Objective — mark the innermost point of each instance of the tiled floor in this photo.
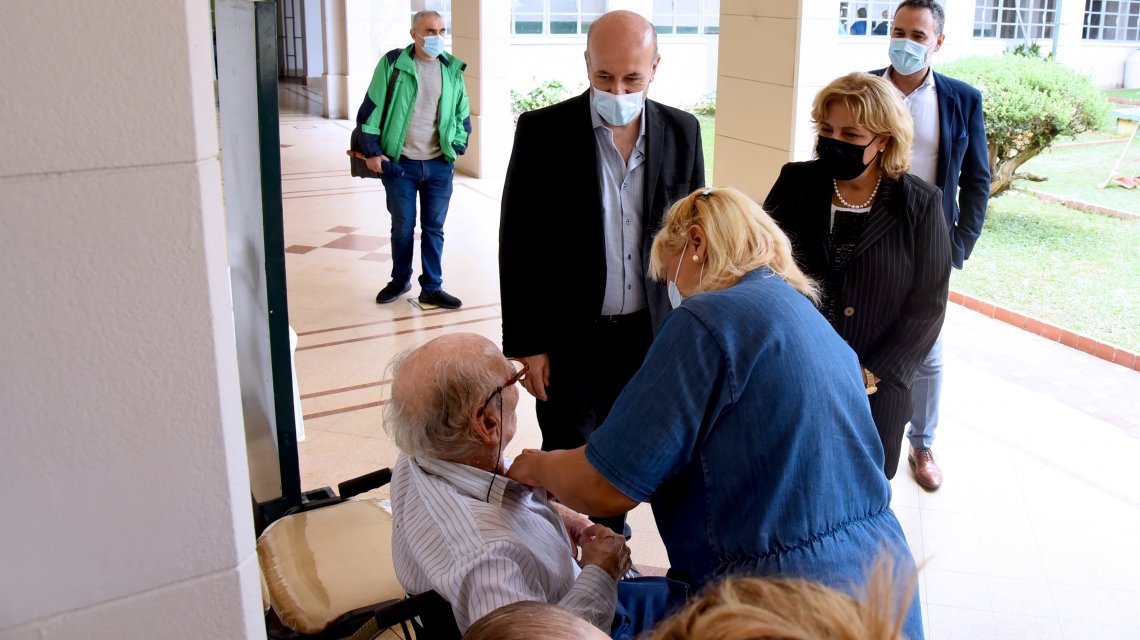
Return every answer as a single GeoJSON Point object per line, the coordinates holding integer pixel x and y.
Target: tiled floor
{"type": "Point", "coordinates": [1036, 533]}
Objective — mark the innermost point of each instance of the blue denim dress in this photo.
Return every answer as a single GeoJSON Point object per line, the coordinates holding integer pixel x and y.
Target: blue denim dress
{"type": "Point", "coordinates": [749, 432]}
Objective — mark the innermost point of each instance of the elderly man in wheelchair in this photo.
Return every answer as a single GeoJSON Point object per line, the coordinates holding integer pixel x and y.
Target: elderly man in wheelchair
{"type": "Point", "coordinates": [462, 539]}
{"type": "Point", "coordinates": [475, 537]}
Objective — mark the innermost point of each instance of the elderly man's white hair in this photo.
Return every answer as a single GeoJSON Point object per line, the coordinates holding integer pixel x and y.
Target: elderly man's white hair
{"type": "Point", "coordinates": [435, 389]}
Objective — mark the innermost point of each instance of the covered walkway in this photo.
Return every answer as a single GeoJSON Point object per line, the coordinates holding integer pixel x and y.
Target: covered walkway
{"type": "Point", "coordinates": [1033, 535]}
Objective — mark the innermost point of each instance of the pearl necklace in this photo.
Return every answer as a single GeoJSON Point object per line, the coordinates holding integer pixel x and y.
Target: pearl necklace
{"type": "Point", "coordinates": [843, 201]}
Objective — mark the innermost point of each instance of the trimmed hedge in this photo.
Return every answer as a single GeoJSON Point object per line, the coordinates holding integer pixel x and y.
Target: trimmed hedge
{"type": "Point", "coordinates": [1028, 102]}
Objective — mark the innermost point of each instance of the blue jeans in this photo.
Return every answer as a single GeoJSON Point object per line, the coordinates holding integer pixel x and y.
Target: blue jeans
{"type": "Point", "coordinates": [925, 394]}
{"type": "Point", "coordinates": [643, 602]}
{"type": "Point", "coordinates": [431, 180]}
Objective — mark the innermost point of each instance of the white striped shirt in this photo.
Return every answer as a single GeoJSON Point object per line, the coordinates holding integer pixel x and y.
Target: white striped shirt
{"type": "Point", "coordinates": [483, 555]}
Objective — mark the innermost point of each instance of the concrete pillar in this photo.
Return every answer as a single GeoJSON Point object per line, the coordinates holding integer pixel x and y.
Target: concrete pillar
{"type": "Point", "coordinates": [127, 507]}
{"type": "Point", "coordinates": [774, 57]}
{"type": "Point", "coordinates": [357, 33]}
{"type": "Point", "coordinates": [480, 36]}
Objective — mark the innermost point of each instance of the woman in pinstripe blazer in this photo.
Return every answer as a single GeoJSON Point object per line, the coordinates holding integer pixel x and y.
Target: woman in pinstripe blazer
{"type": "Point", "coordinates": [873, 236]}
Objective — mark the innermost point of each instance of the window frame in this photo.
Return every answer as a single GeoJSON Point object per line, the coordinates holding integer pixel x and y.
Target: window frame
{"type": "Point", "coordinates": [874, 7]}
{"type": "Point", "coordinates": [546, 13]}
{"type": "Point", "coordinates": [1126, 10]}
{"type": "Point", "coordinates": [1042, 20]}
{"type": "Point", "coordinates": [703, 21]}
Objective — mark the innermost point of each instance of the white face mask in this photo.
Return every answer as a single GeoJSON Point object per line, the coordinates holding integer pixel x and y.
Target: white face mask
{"type": "Point", "coordinates": [675, 297]}
{"type": "Point", "coordinates": [618, 110]}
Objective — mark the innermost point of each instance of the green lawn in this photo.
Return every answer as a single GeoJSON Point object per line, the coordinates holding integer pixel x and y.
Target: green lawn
{"type": "Point", "coordinates": [1076, 270]}
{"type": "Point", "coordinates": [1124, 93]}
{"type": "Point", "coordinates": [1077, 171]}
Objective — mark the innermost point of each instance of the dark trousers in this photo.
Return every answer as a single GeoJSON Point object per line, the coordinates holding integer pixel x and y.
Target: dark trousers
{"type": "Point", "coordinates": [891, 408]}
{"type": "Point", "coordinates": [587, 373]}
{"type": "Point", "coordinates": [431, 181]}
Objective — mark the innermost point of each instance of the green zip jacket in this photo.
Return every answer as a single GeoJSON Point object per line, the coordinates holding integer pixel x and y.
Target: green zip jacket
{"type": "Point", "coordinates": [384, 133]}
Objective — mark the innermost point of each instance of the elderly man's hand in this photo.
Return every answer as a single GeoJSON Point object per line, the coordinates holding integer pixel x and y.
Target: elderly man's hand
{"type": "Point", "coordinates": [605, 549]}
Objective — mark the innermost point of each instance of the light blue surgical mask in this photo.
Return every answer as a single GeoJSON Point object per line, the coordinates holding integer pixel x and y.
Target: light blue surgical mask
{"type": "Point", "coordinates": [907, 56]}
{"type": "Point", "coordinates": [675, 297]}
{"type": "Point", "coordinates": [618, 110]}
{"type": "Point", "coordinates": [433, 45]}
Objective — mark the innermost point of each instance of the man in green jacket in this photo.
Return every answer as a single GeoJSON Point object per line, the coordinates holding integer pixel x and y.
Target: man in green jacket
{"type": "Point", "coordinates": [414, 121]}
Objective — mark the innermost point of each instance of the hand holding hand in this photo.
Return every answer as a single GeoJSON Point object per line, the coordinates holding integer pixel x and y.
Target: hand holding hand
{"type": "Point", "coordinates": [606, 550]}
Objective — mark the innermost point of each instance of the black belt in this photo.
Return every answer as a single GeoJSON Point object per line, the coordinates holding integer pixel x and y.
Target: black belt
{"type": "Point", "coordinates": [636, 316]}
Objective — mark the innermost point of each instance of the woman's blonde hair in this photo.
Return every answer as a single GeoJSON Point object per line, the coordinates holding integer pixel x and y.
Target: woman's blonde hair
{"type": "Point", "coordinates": [875, 104]}
{"type": "Point", "coordinates": [746, 608]}
{"type": "Point", "coordinates": [741, 237]}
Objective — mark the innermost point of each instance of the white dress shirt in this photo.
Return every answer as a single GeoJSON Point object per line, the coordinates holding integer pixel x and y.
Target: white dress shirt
{"type": "Point", "coordinates": [623, 198]}
{"type": "Point", "coordinates": [480, 555]}
{"type": "Point", "coordinates": [923, 106]}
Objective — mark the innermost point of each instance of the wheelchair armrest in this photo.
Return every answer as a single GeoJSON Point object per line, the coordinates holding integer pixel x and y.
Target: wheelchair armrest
{"type": "Point", "coordinates": [366, 482]}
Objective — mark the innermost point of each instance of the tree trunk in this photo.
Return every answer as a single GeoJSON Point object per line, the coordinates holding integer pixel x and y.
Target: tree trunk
{"type": "Point", "coordinates": [1002, 175]}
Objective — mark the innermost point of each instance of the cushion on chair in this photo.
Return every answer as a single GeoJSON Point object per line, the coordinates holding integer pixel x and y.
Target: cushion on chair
{"type": "Point", "coordinates": [265, 604]}
{"type": "Point", "coordinates": [323, 563]}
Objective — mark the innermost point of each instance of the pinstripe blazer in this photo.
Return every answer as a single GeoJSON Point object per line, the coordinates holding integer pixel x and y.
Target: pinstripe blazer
{"type": "Point", "coordinates": [895, 287]}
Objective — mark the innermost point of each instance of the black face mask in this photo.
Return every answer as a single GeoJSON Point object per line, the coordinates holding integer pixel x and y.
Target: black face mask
{"type": "Point", "coordinates": [843, 160]}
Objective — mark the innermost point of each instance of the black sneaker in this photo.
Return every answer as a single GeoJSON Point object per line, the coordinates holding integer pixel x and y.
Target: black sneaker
{"type": "Point", "coordinates": [440, 298]}
{"type": "Point", "coordinates": [391, 291]}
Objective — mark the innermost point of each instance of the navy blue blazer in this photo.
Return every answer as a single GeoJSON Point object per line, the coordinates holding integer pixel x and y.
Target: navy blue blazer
{"type": "Point", "coordinates": [963, 163]}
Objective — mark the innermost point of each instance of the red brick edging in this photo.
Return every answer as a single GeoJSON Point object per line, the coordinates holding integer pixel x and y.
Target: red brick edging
{"type": "Point", "coordinates": [1091, 346]}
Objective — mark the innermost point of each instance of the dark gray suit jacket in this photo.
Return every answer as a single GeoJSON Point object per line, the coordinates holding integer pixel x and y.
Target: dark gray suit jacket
{"type": "Point", "coordinates": [552, 267]}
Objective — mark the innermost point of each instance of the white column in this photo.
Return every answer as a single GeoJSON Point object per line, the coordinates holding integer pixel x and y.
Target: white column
{"type": "Point", "coordinates": [480, 36]}
{"type": "Point", "coordinates": [357, 33]}
{"type": "Point", "coordinates": [756, 92]}
{"type": "Point", "coordinates": [127, 508]}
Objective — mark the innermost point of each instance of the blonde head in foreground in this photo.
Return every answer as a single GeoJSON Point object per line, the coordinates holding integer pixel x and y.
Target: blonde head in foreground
{"type": "Point", "coordinates": [527, 620]}
{"type": "Point", "coordinates": [746, 608]}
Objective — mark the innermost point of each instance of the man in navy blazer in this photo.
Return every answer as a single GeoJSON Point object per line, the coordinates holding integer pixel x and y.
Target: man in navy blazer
{"type": "Point", "coordinates": [950, 152]}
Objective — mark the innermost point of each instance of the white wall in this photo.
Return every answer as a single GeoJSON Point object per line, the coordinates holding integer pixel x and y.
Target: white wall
{"type": "Point", "coordinates": [127, 509]}
{"type": "Point", "coordinates": [687, 72]}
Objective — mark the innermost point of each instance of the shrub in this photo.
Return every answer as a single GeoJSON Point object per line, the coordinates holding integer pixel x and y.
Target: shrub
{"type": "Point", "coordinates": [543, 94]}
{"type": "Point", "coordinates": [1027, 102]}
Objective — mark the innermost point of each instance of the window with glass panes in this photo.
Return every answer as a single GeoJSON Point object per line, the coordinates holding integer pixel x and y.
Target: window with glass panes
{"type": "Point", "coordinates": [554, 17]}
{"type": "Point", "coordinates": [442, 7]}
{"type": "Point", "coordinates": [686, 17]}
{"type": "Point", "coordinates": [867, 18]}
{"type": "Point", "coordinates": [1014, 19]}
{"type": "Point", "coordinates": [1112, 20]}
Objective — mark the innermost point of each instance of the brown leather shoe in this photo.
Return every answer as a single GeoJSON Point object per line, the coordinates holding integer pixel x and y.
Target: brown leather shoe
{"type": "Point", "coordinates": [926, 471]}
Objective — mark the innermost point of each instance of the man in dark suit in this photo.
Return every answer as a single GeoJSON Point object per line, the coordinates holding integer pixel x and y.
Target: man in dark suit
{"type": "Point", "coordinates": [588, 183]}
{"type": "Point", "coordinates": [949, 151]}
